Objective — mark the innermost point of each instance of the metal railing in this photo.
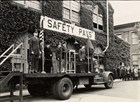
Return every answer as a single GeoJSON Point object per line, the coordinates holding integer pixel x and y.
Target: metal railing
{"type": "Point", "coordinates": [2, 55]}
{"type": "Point", "coordinates": [9, 54]}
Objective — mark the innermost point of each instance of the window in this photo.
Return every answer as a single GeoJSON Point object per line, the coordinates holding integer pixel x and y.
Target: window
{"type": "Point", "coordinates": [97, 18]}
{"type": "Point", "coordinates": [66, 13]}
{"type": "Point", "coordinates": [134, 38]}
{"type": "Point", "coordinates": [71, 11]}
{"type": "Point", "coordinates": [126, 37]}
{"type": "Point", "coordinates": [135, 59]}
{"type": "Point", "coordinates": [35, 4]}
{"type": "Point", "coordinates": [75, 16]}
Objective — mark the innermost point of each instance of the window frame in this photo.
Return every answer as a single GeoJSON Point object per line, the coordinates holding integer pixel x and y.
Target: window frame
{"type": "Point", "coordinates": [97, 15]}
{"type": "Point", "coordinates": [134, 38]}
{"type": "Point", "coordinates": [71, 12]}
{"type": "Point", "coordinates": [65, 13]}
{"type": "Point", "coordinates": [135, 61]}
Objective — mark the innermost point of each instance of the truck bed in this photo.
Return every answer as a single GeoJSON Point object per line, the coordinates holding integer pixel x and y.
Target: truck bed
{"type": "Point", "coordinates": [51, 75]}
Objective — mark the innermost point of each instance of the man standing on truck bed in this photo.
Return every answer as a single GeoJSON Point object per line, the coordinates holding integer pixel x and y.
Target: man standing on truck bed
{"type": "Point", "coordinates": [82, 57]}
{"type": "Point", "coordinates": [48, 58]}
{"type": "Point", "coordinates": [34, 51]}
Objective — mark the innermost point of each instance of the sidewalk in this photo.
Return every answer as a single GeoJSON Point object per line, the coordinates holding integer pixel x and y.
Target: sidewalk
{"type": "Point", "coordinates": [118, 80]}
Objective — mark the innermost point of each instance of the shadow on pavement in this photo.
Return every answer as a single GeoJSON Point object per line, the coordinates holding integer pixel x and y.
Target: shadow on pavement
{"type": "Point", "coordinates": [87, 90]}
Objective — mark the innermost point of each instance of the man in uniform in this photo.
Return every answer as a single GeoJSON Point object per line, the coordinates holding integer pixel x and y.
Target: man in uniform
{"type": "Point", "coordinates": [34, 51]}
{"type": "Point", "coordinates": [48, 58]}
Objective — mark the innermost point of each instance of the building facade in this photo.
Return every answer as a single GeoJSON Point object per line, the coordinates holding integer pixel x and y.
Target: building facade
{"type": "Point", "coordinates": [129, 33]}
{"type": "Point", "coordinates": [20, 18]}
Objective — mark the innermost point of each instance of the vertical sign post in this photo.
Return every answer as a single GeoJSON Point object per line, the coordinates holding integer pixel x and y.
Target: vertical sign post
{"type": "Point", "coordinates": [42, 43]}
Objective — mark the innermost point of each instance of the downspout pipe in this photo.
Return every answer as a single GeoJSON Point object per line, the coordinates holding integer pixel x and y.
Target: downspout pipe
{"type": "Point", "coordinates": [107, 12]}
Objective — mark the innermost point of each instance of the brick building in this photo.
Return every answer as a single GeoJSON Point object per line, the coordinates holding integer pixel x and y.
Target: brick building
{"type": "Point", "coordinates": [20, 18]}
{"type": "Point", "coordinates": [129, 33]}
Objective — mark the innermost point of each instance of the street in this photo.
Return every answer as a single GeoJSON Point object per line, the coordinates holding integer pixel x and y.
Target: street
{"type": "Point", "coordinates": [123, 91]}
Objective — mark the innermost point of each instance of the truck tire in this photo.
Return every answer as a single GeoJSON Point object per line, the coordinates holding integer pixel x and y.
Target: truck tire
{"type": "Point", "coordinates": [37, 89]}
{"type": "Point", "coordinates": [109, 83]}
{"type": "Point", "coordinates": [63, 89]}
{"type": "Point", "coordinates": [87, 86]}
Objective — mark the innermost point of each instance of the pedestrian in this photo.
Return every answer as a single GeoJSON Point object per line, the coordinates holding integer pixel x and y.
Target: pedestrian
{"type": "Point", "coordinates": [139, 74]}
{"type": "Point", "coordinates": [135, 73]}
{"type": "Point", "coordinates": [48, 58]}
{"type": "Point", "coordinates": [128, 73]}
{"type": "Point", "coordinates": [132, 73]}
{"type": "Point", "coordinates": [115, 73]}
{"type": "Point", "coordinates": [123, 73]}
{"type": "Point", "coordinates": [118, 72]}
{"type": "Point", "coordinates": [34, 51]}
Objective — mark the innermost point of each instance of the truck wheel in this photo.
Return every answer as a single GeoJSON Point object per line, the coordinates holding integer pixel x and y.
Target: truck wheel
{"type": "Point", "coordinates": [37, 89]}
{"type": "Point", "coordinates": [63, 89]}
{"type": "Point", "coordinates": [87, 86]}
{"type": "Point", "coordinates": [109, 83]}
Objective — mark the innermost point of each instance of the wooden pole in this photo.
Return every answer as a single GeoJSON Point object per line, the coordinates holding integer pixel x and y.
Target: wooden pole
{"type": "Point", "coordinates": [11, 90]}
{"type": "Point", "coordinates": [21, 88]}
{"type": "Point", "coordinates": [88, 58]}
{"type": "Point", "coordinates": [60, 60]}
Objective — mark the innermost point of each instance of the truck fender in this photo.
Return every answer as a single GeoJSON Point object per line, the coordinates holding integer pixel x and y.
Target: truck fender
{"type": "Point", "coordinates": [105, 75]}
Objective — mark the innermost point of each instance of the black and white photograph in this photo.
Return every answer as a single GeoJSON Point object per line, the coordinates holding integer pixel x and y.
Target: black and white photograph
{"type": "Point", "coordinates": [69, 50]}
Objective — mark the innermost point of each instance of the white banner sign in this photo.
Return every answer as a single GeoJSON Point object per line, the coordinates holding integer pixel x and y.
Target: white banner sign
{"type": "Point", "coordinates": [62, 27]}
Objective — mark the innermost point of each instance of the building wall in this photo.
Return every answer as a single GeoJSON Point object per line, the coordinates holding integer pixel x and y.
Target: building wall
{"type": "Point", "coordinates": [132, 38]}
{"type": "Point", "coordinates": [24, 19]}
{"type": "Point", "coordinates": [15, 21]}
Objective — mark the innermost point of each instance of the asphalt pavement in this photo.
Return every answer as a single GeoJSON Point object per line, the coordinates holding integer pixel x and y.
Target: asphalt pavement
{"type": "Point", "coordinates": [123, 91]}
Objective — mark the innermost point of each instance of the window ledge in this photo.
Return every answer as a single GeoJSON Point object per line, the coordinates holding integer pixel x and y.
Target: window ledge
{"type": "Point", "coordinates": [68, 21]}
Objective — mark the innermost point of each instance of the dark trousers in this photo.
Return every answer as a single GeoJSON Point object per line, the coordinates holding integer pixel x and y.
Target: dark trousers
{"type": "Point", "coordinates": [83, 66]}
{"type": "Point", "coordinates": [34, 62]}
{"type": "Point", "coordinates": [48, 65]}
